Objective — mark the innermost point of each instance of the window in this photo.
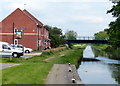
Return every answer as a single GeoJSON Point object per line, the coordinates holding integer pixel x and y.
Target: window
{"type": "Point", "coordinates": [5, 46]}
{"type": "Point", "coordinates": [19, 46]}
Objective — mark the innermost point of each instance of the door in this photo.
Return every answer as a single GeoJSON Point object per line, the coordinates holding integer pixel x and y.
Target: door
{"type": "Point", "coordinates": [15, 41]}
{"type": "Point", "coordinates": [6, 50]}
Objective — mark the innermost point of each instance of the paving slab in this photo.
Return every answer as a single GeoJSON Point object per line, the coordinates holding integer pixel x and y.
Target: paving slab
{"type": "Point", "coordinates": [7, 65]}
{"type": "Point", "coordinates": [60, 74]}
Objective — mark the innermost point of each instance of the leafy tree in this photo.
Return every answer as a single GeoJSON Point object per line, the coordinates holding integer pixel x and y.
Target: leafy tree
{"type": "Point", "coordinates": [115, 10]}
{"type": "Point", "coordinates": [71, 35]}
{"type": "Point", "coordinates": [114, 27]}
{"type": "Point", "coordinates": [102, 35]}
{"type": "Point", "coordinates": [55, 35]}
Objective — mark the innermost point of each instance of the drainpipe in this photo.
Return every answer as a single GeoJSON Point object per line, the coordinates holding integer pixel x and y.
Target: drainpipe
{"type": "Point", "coordinates": [38, 37]}
{"type": "Point", "coordinates": [13, 32]}
{"type": "Point", "coordinates": [38, 28]}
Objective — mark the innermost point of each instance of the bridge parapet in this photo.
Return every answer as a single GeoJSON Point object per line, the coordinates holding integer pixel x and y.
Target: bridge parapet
{"type": "Point", "coordinates": [90, 38]}
{"type": "Point", "coordinates": [86, 38]}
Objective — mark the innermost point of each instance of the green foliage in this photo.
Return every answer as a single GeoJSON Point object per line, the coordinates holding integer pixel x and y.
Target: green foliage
{"type": "Point", "coordinates": [101, 47]}
{"type": "Point", "coordinates": [106, 50]}
{"type": "Point", "coordinates": [115, 10]}
{"type": "Point", "coordinates": [71, 35]}
{"type": "Point", "coordinates": [102, 35]}
{"type": "Point", "coordinates": [56, 36]}
{"type": "Point", "coordinates": [114, 33]}
{"type": "Point", "coordinates": [114, 27]}
{"type": "Point", "coordinates": [48, 53]}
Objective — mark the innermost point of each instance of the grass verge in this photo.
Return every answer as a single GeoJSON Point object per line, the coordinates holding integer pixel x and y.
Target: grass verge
{"type": "Point", "coordinates": [34, 70]}
{"type": "Point", "coordinates": [106, 50]}
{"type": "Point", "coordinates": [26, 73]}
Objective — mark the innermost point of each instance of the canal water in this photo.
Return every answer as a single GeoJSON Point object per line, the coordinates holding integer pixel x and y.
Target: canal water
{"type": "Point", "coordinates": [105, 71]}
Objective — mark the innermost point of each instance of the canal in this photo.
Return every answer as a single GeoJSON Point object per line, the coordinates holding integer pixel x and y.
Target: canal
{"type": "Point", "coordinates": [104, 71]}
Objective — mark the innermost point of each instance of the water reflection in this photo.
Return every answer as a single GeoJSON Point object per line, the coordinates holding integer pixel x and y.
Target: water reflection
{"type": "Point", "coordinates": [95, 73]}
{"type": "Point", "coordinates": [115, 71]}
{"type": "Point", "coordinates": [107, 60]}
{"type": "Point", "coordinates": [88, 53]}
{"type": "Point", "coordinates": [106, 71]}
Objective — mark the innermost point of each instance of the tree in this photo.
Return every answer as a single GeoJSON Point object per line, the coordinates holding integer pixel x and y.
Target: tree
{"type": "Point", "coordinates": [115, 10]}
{"type": "Point", "coordinates": [55, 35]}
{"type": "Point", "coordinates": [102, 35]}
{"type": "Point", "coordinates": [71, 35]}
{"type": "Point", "coordinates": [114, 27]}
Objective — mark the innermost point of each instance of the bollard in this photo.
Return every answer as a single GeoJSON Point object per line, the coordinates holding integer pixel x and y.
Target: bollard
{"type": "Point", "coordinates": [69, 64]}
{"type": "Point", "coordinates": [73, 80]}
{"type": "Point", "coordinates": [69, 69]}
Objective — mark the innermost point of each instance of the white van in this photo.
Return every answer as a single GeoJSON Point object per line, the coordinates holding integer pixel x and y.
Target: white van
{"type": "Point", "coordinates": [7, 50]}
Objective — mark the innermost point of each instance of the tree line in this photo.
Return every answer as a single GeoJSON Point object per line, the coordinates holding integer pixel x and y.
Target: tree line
{"type": "Point", "coordinates": [58, 38]}
{"type": "Point", "coordinates": [113, 32]}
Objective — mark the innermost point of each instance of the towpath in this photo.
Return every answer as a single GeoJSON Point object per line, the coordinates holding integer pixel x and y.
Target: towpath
{"type": "Point", "coordinates": [60, 74]}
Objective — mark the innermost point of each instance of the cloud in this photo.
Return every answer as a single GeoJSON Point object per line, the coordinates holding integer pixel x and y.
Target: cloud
{"type": "Point", "coordinates": [81, 7]}
{"type": "Point", "coordinates": [83, 16]}
{"type": "Point", "coordinates": [78, 0]}
{"type": "Point", "coordinates": [59, 0]}
{"type": "Point", "coordinates": [93, 19]}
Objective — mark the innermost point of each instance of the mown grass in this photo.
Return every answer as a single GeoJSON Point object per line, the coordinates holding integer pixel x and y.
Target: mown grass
{"type": "Point", "coordinates": [35, 70]}
{"type": "Point", "coordinates": [26, 73]}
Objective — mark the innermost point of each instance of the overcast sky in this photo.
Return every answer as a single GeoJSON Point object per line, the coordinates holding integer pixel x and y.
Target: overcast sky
{"type": "Point", "coordinates": [86, 17]}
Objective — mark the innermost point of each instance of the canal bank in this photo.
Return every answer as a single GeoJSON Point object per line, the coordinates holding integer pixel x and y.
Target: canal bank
{"type": "Point", "coordinates": [36, 68]}
{"type": "Point", "coordinates": [99, 72]}
{"type": "Point", "coordinates": [106, 50]}
{"type": "Point", "coordinates": [63, 74]}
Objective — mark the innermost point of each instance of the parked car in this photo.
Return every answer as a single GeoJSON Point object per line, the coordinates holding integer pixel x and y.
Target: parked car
{"type": "Point", "coordinates": [20, 47]}
{"type": "Point", "coordinates": [7, 50]}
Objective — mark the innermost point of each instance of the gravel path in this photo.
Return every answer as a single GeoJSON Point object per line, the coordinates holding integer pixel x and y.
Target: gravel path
{"type": "Point", "coordinates": [6, 65]}
{"type": "Point", "coordinates": [48, 59]}
{"type": "Point", "coordinates": [59, 74]}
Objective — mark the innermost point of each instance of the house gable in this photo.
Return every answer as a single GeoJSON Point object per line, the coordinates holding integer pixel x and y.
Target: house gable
{"type": "Point", "coordinates": [32, 17]}
{"type": "Point", "coordinates": [20, 20]}
{"type": "Point", "coordinates": [23, 19]}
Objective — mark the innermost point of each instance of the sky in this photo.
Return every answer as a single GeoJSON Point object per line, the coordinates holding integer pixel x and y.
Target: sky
{"type": "Point", "coordinates": [85, 17]}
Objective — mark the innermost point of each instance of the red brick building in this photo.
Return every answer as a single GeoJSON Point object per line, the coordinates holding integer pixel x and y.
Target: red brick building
{"type": "Point", "coordinates": [20, 27]}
